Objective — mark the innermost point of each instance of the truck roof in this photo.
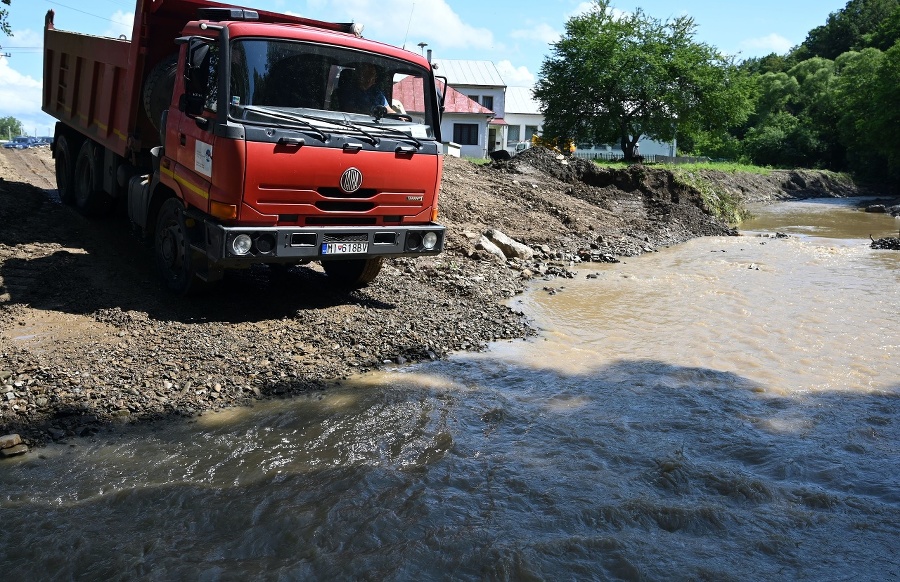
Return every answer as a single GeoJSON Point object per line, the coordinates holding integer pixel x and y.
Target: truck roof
{"type": "Point", "coordinates": [325, 36]}
{"type": "Point", "coordinates": [318, 30]}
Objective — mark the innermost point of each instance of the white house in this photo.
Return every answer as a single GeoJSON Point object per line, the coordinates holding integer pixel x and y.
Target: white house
{"type": "Point", "coordinates": [481, 83]}
{"type": "Point", "coordinates": [523, 118]}
{"type": "Point", "coordinates": [465, 123]}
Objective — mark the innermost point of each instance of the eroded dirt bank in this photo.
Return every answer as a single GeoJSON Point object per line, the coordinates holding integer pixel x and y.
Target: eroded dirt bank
{"type": "Point", "coordinates": [88, 339]}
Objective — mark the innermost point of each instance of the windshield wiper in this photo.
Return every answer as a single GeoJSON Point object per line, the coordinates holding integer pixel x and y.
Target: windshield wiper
{"type": "Point", "coordinates": [344, 123]}
{"type": "Point", "coordinates": [296, 118]}
{"type": "Point", "coordinates": [395, 132]}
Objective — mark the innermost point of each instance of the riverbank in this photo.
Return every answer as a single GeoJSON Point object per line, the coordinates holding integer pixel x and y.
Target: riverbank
{"type": "Point", "coordinates": [88, 340]}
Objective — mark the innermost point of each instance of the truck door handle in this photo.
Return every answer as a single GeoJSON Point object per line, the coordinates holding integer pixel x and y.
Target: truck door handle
{"type": "Point", "coordinates": [182, 139]}
{"type": "Point", "coordinates": [292, 141]}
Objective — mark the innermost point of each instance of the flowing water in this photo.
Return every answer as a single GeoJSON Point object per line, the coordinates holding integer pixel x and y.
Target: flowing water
{"type": "Point", "coordinates": [728, 409]}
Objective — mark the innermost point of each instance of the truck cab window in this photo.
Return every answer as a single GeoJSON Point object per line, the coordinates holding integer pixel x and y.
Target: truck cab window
{"type": "Point", "coordinates": [323, 83]}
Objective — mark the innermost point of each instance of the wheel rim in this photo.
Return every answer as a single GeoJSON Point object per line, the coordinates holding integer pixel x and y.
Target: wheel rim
{"type": "Point", "coordinates": [83, 184]}
{"type": "Point", "coordinates": [171, 248]}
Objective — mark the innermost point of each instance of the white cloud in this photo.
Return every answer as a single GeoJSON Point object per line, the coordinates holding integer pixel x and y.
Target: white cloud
{"type": "Point", "coordinates": [18, 92]}
{"type": "Point", "coordinates": [26, 38]}
{"type": "Point", "coordinates": [773, 43]}
{"type": "Point", "coordinates": [122, 24]}
{"type": "Point", "coordinates": [542, 33]}
{"type": "Point", "coordinates": [433, 22]}
{"type": "Point", "coordinates": [20, 97]}
{"type": "Point", "coordinates": [515, 76]}
{"type": "Point", "coordinates": [582, 8]}
{"type": "Point", "coordinates": [585, 7]}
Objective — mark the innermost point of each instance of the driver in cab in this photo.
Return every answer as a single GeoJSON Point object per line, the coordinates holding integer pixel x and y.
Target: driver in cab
{"type": "Point", "coordinates": [361, 93]}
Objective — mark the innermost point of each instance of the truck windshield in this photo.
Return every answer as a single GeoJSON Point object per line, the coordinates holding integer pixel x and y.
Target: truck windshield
{"type": "Point", "coordinates": [327, 82]}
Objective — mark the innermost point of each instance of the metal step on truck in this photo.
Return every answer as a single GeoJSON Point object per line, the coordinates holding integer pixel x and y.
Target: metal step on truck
{"type": "Point", "coordinates": [236, 136]}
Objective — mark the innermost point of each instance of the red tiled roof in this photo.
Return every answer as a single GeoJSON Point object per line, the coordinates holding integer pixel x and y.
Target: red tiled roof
{"type": "Point", "coordinates": [408, 93]}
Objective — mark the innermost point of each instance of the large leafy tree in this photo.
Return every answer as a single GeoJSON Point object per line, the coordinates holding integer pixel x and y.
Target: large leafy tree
{"type": "Point", "coordinates": [10, 127]}
{"type": "Point", "coordinates": [619, 77]}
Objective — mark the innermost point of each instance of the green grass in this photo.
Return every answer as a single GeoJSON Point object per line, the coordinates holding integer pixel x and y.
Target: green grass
{"type": "Point", "coordinates": [720, 202]}
{"type": "Point", "coordinates": [478, 161]}
{"type": "Point", "coordinates": [731, 167]}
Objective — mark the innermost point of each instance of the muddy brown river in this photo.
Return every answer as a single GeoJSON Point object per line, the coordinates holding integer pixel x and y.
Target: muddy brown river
{"type": "Point", "coordinates": [728, 409]}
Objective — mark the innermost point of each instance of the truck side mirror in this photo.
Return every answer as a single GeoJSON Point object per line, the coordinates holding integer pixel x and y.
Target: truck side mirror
{"type": "Point", "coordinates": [441, 90]}
{"type": "Point", "coordinates": [196, 77]}
{"type": "Point", "coordinates": [196, 73]}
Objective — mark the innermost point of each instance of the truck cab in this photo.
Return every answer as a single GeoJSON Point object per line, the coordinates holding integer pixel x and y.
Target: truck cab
{"type": "Point", "coordinates": [273, 139]}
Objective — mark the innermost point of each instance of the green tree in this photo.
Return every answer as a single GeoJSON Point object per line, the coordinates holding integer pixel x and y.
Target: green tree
{"type": "Point", "coordinates": [771, 63]}
{"type": "Point", "coordinates": [847, 29]}
{"type": "Point", "coordinates": [887, 34]}
{"type": "Point", "coordinates": [4, 22]}
{"type": "Point", "coordinates": [618, 78]}
{"type": "Point", "coordinates": [886, 120]}
{"type": "Point", "coordinates": [869, 89]}
{"type": "Point", "coordinates": [10, 127]}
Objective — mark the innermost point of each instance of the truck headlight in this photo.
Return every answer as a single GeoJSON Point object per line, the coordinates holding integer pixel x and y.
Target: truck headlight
{"type": "Point", "coordinates": [241, 244]}
{"type": "Point", "coordinates": [429, 240]}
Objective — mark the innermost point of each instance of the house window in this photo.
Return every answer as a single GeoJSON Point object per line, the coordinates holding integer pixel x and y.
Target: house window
{"type": "Point", "coordinates": [465, 133]}
{"type": "Point", "coordinates": [530, 131]}
{"type": "Point", "coordinates": [513, 133]}
{"type": "Point", "coordinates": [488, 101]}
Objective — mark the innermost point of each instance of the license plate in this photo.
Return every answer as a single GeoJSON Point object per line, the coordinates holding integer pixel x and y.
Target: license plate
{"type": "Point", "coordinates": [344, 248]}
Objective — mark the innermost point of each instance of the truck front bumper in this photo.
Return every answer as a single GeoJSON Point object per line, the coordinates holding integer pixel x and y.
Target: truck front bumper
{"type": "Point", "coordinates": [236, 246]}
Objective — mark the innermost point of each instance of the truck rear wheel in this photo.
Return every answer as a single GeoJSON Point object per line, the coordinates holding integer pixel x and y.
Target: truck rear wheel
{"type": "Point", "coordinates": [175, 260]}
{"type": "Point", "coordinates": [355, 272]}
{"type": "Point", "coordinates": [65, 170]}
{"type": "Point", "coordinates": [88, 194]}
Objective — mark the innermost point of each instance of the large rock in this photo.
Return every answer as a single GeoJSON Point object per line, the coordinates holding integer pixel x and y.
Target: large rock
{"type": "Point", "coordinates": [511, 248]}
{"type": "Point", "coordinates": [10, 440]}
{"type": "Point", "coordinates": [485, 244]}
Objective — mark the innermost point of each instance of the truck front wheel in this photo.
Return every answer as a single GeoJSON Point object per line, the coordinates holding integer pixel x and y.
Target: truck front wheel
{"type": "Point", "coordinates": [354, 272]}
{"type": "Point", "coordinates": [175, 260]}
{"type": "Point", "coordinates": [89, 197]}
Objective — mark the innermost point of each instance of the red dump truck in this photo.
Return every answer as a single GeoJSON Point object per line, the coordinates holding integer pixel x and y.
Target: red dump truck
{"type": "Point", "coordinates": [235, 137]}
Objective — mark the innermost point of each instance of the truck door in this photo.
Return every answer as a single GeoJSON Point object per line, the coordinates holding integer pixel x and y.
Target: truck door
{"type": "Point", "coordinates": [194, 122]}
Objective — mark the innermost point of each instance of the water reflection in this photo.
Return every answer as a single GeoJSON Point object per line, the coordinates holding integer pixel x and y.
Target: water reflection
{"type": "Point", "coordinates": [727, 409]}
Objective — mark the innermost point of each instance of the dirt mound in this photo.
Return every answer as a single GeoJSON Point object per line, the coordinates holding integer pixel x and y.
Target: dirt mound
{"type": "Point", "coordinates": [574, 206]}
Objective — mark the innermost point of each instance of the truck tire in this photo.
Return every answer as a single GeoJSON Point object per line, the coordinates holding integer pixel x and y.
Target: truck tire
{"type": "Point", "coordinates": [354, 272]}
{"type": "Point", "coordinates": [158, 89]}
{"type": "Point", "coordinates": [175, 261]}
{"type": "Point", "coordinates": [65, 169]}
{"type": "Point", "coordinates": [88, 194]}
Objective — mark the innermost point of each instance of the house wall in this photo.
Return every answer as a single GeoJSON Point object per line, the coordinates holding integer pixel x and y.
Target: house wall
{"type": "Point", "coordinates": [467, 151]}
{"type": "Point", "coordinates": [520, 120]}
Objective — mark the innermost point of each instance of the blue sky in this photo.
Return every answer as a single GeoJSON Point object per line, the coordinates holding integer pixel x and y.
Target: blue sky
{"type": "Point", "coordinates": [514, 34]}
